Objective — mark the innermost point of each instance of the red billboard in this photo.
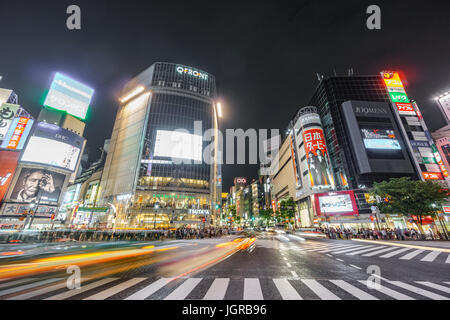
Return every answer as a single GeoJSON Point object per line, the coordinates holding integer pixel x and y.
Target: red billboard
{"type": "Point", "coordinates": [340, 203]}
{"type": "Point", "coordinates": [405, 108]}
{"type": "Point", "coordinates": [317, 157]}
{"type": "Point", "coordinates": [8, 164]}
{"type": "Point", "coordinates": [432, 176]}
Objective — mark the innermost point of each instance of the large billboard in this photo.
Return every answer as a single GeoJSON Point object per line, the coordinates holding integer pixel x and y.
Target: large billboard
{"type": "Point", "coordinates": [17, 134]}
{"type": "Point", "coordinates": [8, 164]}
{"type": "Point", "coordinates": [38, 185]}
{"type": "Point", "coordinates": [53, 146]}
{"type": "Point", "coordinates": [7, 113]}
{"type": "Point", "coordinates": [68, 95]}
{"type": "Point", "coordinates": [178, 145]}
{"type": "Point", "coordinates": [380, 139]}
{"type": "Point", "coordinates": [340, 203]}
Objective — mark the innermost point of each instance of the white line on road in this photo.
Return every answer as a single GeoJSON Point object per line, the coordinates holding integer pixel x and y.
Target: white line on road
{"type": "Point", "coordinates": [288, 264]}
{"type": "Point", "coordinates": [411, 255]}
{"type": "Point", "coordinates": [150, 289]}
{"type": "Point", "coordinates": [422, 292]}
{"type": "Point", "coordinates": [114, 290]}
{"type": "Point", "coordinates": [339, 260]}
{"type": "Point", "coordinates": [252, 289]}
{"type": "Point", "coordinates": [284, 258]}
{"type": "Point", "coordinates": [434, 286]}
{"type": "Point", "coordinates": [322, 292]}
{"type": "Point", "coordinates": [393, 253]}
{"type": "Point", "coordinates": [431, 256]}
{"type": "Point", "coordinates": [183, 291]}
{"type": "Point", "coordinates": [351, 249]}
{"type": "Point", "coordinates": [74, 292]}
{"type": "Point", "coordinates": [329, 255]}
{"type": "Point", "coordinates": [364, 251]}
{"type": "Point", "coordinates": [286, 290]}
{"type": "Point", "coordinates": [356, 267]}
{"type": "Point", "coordinates": [28, 286]}
{"type": "Point", "coordinates": [358, 293]}
{"type": "Point", "coordinates": [389, 292]}
{"type": "Point", "coordinates": [38, 292]}
{"type": "Point", "coordinates": [13, 283]}
{"type": "Point", "coordinates": [294, 274]}
{"type": "Point", "coordinates": [218, 289]}
{"type": "Point", "coordinates": [378, 251]}
{"type": "Point", "coordinates": [448, 259]}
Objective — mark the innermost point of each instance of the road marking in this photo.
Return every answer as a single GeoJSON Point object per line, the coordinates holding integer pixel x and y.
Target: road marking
{"type": "Point", "coordinates": [434, 286]}
{"type": "Point", "coordinates": [286, 290]}
{"type": "Point", "coordinates": [322, 292]}
{"type": "Point", "coordinates": [358, 293]}
{"type": "Point", "coordinates": [183, 291]}
{"type": "Point", "coordinates": [337, 247]}
{"type": "Point", "coordinates": [364, 250]}
{"type": "Point", "coordinates": [114, 290]}
{"type": "Point", "coordinates": [389, 292]}
{"type": "Point", "coordinates": [431, 256]}
{"type": "Point", "coordinates": [339, 260]}
{"type": "Point", "coordinates": [13, 283]}
{"type": "Point", "coordinates": [356, 267]}
{"type": "Point", "coordinates": [285, 258]}
{"type": "Point", "coordinates": [252, 289]}
{"type": "Point", "coordinates": [329, 255]}
{"type": "Point", "coordinates": [28, 286]}
{"type": "Point", "coordinates": [378, 251]}
{"type": "Point", "coordinates": [150, 289]}
{"type": "Point", "coordinates": [288, 264]}
{"type": "Point", "coordinates": [74, 292]}
{"type": "Point", "coordinates": [348, 250]}
{"type": "Point", "coordinates": [422, 292]}
{"type": "Point", "coordinates": [411, 255]}
{"type": "Point", "coordinates": [393, 253]}
{"type": "Point", "coordinates": [448, 259]}
{"type": "Point", "coordinates": [294, 274]}
{"type": "Point", "coordinates": [217, 290]}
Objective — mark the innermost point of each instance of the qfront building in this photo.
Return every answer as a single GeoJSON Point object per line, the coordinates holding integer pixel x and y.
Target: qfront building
{"type": "Point", "coordinates": [162, 170]}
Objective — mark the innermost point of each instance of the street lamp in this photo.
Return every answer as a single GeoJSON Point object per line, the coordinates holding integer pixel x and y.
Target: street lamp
{"type": "Point", "coordinates": [219, 109]}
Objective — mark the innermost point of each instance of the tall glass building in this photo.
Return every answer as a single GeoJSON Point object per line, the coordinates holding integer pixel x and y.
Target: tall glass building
{"type": "Point", "coordinates": [156, 175]}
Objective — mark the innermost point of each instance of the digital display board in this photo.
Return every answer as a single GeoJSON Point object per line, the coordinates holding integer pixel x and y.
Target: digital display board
{"type": "Point", "coordinates": [53, 146]}
{"type": "Point", "coordinates": [68, 95]}
{"type": "Point", "coordinates": [178, 145]}
{"type": "Point", "coordinates": [380, 139]}
{"type": "Point", "coordinates": [8, 164]}
{"type": "Point", "coordinates": [406, 109]}
{"type": "Point", "coordinates": [336, 203]}
{"type": "Point", "coordinates": [7, 114]}
{"type": "Point", "coordinates": [432, 176]}
{"type": "Point", "coordinates": [17, 134]}
{"type": "Point", "coordinates": [399, 97]}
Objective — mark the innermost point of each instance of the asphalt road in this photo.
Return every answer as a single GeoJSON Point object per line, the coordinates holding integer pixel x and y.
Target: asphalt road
{"type": "Point", "coordinates": [270, 267]}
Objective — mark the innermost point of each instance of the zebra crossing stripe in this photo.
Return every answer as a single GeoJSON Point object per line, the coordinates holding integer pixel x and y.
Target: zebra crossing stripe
{"type": "Point", "coordinates": [13, 283]}
{"type": "Point", "coordinates": [252, 289]}
{"type": "Point", "coordinates": [448, 259]}
{"type": "Point", "coordinates": [434, 286]}
{"type": "Point", "coordinates": [420, 291]}
{"type": "Point", "coordinates": [393, 253]}
{"type": "Point", "coordinates": [38, 292]}
{"type": "Point", "coordinates": [114, 290]}
{"type": "Point", "coordinates": [74, 292]}
{"type": "Point", "coordinates": [183, 290]}
{"type": "Point", "coordinates": [358, 293]}
{"type": "Point", "coordinates": [364, 250]}
{"type": "Point", "coordinates": [358, 247]}
{"type": "Point", "coordinates": [328, 247]}
{"type": "Point", "coordinates": [389, 292]}
{"type": "Point", "coordinates": [335, 248]}
{"type": "Point", "coordinates": [28, 286]}
{"type": "Point", "coordinates": [378, 251]}
{"type": "Point", "coordinates": [322, 292]}
{"type": "Point", "coordinates": [218, 289]}
{"type": "Point", "coordinates": [411, 255]}
{"type": "Point", "coordinates": [150, 289]}
{"type": "Point", "coordinates": [286, 290]}
{"type": "Point", "coordinates": [431, 256]}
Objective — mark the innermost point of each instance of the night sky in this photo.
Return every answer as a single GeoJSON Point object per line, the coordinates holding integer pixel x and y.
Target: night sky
{"type": "Point", "coordinates": [265, 55]}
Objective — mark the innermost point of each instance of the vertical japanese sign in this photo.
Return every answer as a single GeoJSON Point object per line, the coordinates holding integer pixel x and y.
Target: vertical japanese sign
{"type": "Point", "coordinates": [8, 165]}
{"type": "Point", "coordinates": [17, 133]}
{"type": "Point", "coordinates": [7, 114]}
{"type": "Point", "coordinates": [317, 157]}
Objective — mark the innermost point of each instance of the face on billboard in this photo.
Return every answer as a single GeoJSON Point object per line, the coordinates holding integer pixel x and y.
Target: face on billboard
{"type": "Point", "coordinates": [54, 146]}
{"type": "Point", "coordinates": [7, 114]}
{"type": "Point", "coordinates": [336, 203]}
{"type": "Point", "coordinates": [38, 185]}
{"type": "Point", "coordinates": [69, 95]}
{"type": "Point", "coordinates": [17, 133]}
{"type": "Point", "coordinates": [317, 157]}
{"type": "Point", "coordinates": [8, 164]}
{"type": "Point", "coordinates": [178, 145]}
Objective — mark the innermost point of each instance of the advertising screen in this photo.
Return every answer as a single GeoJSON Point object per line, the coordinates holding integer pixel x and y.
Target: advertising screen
{"type": "Point", "coordinates": [392, 79]}
{"type": "Point", "coordinates": [380, 139]}
{"type": "Point", "coordinates": [7, 114]}
{"type": "Point", "coordinates": [336, 203]}
{"type": "Point", "coordinates": [406, 109]}
{"type": "Point", "coordinates": [17, 134]}
{"type": "Point", "coordinates": [39, 185]}
{"type": "Point", "coordinates": [432, 176]}
{"type": "Point", "coordinates": [68, 95]}
{"type": "Point", "coordinates": [8, 164]}
{"type": "Point", "coordinates": [399, 97]}
{"type": "Point", "coordinates": [178, 145]}
{"type": "Point", "coordinates": [53, 146]}
{"type": "Point", "coordinates": [317, 157]}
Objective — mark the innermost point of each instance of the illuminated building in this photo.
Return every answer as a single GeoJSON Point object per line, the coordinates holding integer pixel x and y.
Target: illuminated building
{"type": "Point", "coordinates": [155, 173]}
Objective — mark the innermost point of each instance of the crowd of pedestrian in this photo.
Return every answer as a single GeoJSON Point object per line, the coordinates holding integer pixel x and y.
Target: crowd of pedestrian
{"type": "Point", "coordinates": [190, 233]}
{"type": "Point", "coordinates": [381, 234]}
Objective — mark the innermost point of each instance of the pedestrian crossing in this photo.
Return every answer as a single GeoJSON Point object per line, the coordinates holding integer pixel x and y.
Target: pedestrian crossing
{"type": "Point", "coordinates": [379, 251]}
{"type": "Point", "coordinates": [199, 288]}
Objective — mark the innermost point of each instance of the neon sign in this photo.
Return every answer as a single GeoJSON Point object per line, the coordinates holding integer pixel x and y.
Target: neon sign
{"type": "Point", "coordinates": [191, 72]}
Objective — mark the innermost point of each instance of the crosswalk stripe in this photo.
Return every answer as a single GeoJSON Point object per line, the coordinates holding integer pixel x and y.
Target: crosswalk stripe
{"type": "Point", "coordinates": [183, 290]}
{"type": "Point", "coordinates": [16, 282]}
{"type": "Point", "coordinates": [252, 289]}
{"type": "Point", "coordinates": [431, 256]}
{"type": "Point", "coordinates": [286, 290]}
{"type": "Point", "coordinates": [322, 292]}
{"type": "Point", "coordinates": [334, 249]}
{"type": "Point", "coordinates": [350, 249]}
{"type": "Point", "coordinates": [328, 247]}
{"type": "Point", "coordinates": [365, 250]}
{"type": "Point", "coordinates": [114, 290]}
{"type": "Point", "coordinates": [389, 292]}
{"type": "Point", "coordinates": [370, 254]}
{"type": "Point", "coordinates": [150, 289]}
{"type": "Point", "coordinates": [74, 292]}
{"type": "Point", "coordinates": [358, 293]}
{"type": "Point", "coordinates": [434, 286]}
{"type": "Point", "coordinates": [393, 253]}
{"type": "Point", "coordinates": [28, 286]}
{"type": "Point", "coordinates": [411, 255]}
{"type": "Point", "coordinates": [39, 292]}
{"type": "Point", "coordinates": [420, 291]}
{"type": "Point", "coordinates": [448, 259]}
{"type": "Point", "coordinates": [218, 289]}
